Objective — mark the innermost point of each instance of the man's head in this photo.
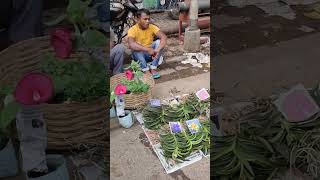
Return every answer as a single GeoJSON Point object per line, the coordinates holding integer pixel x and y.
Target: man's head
{"type": "Point", "coordinates": [143, 18]}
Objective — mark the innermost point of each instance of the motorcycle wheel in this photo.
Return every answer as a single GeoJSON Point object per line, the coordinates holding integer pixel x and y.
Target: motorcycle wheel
{"type": "Point", "coordinates": [174, 14]}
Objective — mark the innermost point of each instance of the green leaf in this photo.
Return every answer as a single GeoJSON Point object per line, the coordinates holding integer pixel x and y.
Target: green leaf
{"type": "Point", "coordinates": [112, 97]}
{"type": "Point", "coordinates": [78, 42]}
{"type": "Point", "coordinates": [94, 39]}
{"type": "Point", "coordinates": [59, 84]}
{"type": "Point", "coordinates": [76, 12]}
{"type": "Point", "coordinates": [56, 21]}
{"type": "Point", "coordinates": [8, 114]}
{"type": "Point", "coordinates": [6, 89]}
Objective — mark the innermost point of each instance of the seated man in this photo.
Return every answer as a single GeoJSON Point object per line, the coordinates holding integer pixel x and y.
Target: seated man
{"type": "Point", "coordinates": [116, 55]}
{"type": "Point", "coordinates": [141, 40]}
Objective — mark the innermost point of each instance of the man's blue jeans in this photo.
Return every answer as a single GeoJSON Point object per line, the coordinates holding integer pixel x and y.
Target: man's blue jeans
{"type": "Point", "coordinates": [143, 57]}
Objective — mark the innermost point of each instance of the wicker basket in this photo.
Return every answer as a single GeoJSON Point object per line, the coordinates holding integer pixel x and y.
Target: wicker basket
{"type": "Point", "coordinates": [69, 125]}
{"type": "Point", "coordinates": [132, 100]}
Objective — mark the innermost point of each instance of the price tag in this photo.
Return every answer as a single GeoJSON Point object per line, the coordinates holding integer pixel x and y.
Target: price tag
{"type": "Point", "coordinates": [175, 127]}
{"type": "Point", "coordinates": [155, 102]}
{"type": "Point", "coordinates": [202, 94]}
{"type": "Point", "coordinates": [120, 106]}
{"type": "Point", "coordinates": [193, 125]}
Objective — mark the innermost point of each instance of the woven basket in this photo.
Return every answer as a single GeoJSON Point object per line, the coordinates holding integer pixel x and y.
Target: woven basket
{"type": "Point", "coordinates": [133, 100]}
{"type": "Point", "coordinates": [69, 125]}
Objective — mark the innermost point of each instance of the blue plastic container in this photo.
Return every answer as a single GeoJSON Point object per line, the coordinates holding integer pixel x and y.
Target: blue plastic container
{"type": "Point", "coordinates": [126, 121]}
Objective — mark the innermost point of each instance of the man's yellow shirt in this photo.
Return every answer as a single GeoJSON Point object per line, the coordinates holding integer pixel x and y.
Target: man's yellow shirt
{"type": "Point", "coordinates": [143, 37]}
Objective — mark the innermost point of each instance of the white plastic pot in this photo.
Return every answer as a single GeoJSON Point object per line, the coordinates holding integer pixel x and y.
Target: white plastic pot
{"type": "Point", "coordinates": [113, 112]}
{"type": "Point", "coordinates": [57, 169]}
{"type": "Point", "coordinates": [126, 121]}
{"type": "Point", "coordinates": [8, 161]}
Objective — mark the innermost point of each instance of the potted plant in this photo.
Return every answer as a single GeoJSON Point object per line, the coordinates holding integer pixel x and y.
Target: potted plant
{"type": "Point", "coordinates": [134, 82]}
{"type": "Point", "coordinates": [124, 116]}
{"type": "Point", "coordinates": [8, 163]}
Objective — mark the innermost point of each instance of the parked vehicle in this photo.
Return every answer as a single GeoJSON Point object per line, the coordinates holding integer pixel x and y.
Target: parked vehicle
{"type": "Point", "coordinates": [122, 16]}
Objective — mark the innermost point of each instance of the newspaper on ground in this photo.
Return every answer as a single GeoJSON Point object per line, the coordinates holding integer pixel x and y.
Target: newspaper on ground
{"type": "Point", "coordinates": [170, 166]}
{"type": "Point", "coordinates": [196, 59]}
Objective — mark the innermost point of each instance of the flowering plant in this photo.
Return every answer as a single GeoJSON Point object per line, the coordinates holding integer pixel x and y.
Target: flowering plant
{"type": "Point", "coordinates": [118, 90]}
{"type": "Point", "coordinates": [129, 74]}
{"type": "Point", "coordinates": [61, 41]}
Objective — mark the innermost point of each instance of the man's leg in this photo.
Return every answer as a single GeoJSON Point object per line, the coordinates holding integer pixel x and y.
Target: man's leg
{"type": "Point", "coordinates": [141, 58]}
{"type": "Point", "coordinates": [117, 58]}
{"type": "Point", "coordinates": [156, 62]}
{"type": "Point", "coordinates": [25, 20]}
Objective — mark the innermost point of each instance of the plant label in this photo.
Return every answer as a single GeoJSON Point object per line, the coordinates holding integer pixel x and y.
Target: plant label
{"type": "Point", "coordinates": [155, 102]}
{"type": "Point", "coordinates": [193, 125]}
{"type": "Point", "coordinates": [202, 94]}
{"type": "Point", "coordinates": [120, 106]}
{"type": "Point", "coordinates": [175, 127]}
{"type": "Point", "coordinates": [297, 105]}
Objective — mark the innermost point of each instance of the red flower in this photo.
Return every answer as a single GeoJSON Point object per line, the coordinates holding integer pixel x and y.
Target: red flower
{"type": "Point", "coordinates": [62, 42]}
{"type": "Point", "coordinates": [34, 88]}
{"type": "Point", "coordinates": [120, 89]}
{"type": "Point", "coordinates": [129, 74]}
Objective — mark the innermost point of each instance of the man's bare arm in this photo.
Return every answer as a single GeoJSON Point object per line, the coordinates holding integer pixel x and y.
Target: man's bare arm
{"type": "Point", "coordinates": [135, 46]}
{"type": "Point", "coordinates": [163, 40]}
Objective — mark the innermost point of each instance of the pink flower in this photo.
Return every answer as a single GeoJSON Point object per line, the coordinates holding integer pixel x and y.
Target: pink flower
{"type": "Point", "coordinates": [129, 74]}
{"type": "Point", "coordinates": [34, 88]}
{"type": "Point", "coordinates": [61, 41]}
{"type": "Point", "coordinates": [120, 89]}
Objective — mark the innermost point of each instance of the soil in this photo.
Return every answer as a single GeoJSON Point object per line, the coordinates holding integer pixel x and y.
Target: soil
{"type": "Point", "coordinates": [179, 74]}
{"type": "Point", "coordinates": [261, 29]}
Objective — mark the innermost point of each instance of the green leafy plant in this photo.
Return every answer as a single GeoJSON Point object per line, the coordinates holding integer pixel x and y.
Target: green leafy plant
{"type": "Point", "coordinates": [7, 114]}
{"type": "Point", "coordinates": [81, 16]}
{"type": "Point", "coordinates": [76, 80]}
{"type": "Point", "coordinates": [136, 86]}
{"type": "Point", "coordinates": [179, 146]}
{"type": "Point", "coordinates": [75, 13]}
{"type": "Point", "coordinates": [135, 67]}
{"type": "Point", "coordinates": [189, 109]}
{"type": "Point", "coordinates": [266, 135]}
{"type": "Point", "coordinates": [239, 157]}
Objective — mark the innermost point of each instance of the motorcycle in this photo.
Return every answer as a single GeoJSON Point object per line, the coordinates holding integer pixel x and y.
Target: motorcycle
{"type": "Point", "coordinates": [122, 16]}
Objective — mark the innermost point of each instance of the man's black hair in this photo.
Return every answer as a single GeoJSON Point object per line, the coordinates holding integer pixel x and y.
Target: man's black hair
{"type": "Point", "coordinates": [142, 11]}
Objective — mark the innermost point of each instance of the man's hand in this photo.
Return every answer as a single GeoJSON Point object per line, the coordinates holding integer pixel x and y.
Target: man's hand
{"type": "Point", "coordinates": [112, 44]}
{"type": "Point", "coordinates": [151, 51]}
{"type": "Point", "coordinates": [156, 52]}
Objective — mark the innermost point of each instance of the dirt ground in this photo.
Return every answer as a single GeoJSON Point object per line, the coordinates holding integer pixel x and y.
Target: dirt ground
{"type": "Point", "coordinates": [263, 54]}
{"type": "Point", "coordinates": [257, 28]}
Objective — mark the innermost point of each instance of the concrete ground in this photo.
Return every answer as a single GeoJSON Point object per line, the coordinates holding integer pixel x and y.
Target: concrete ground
{"type": "Point", "coordinates": [266, 70]}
